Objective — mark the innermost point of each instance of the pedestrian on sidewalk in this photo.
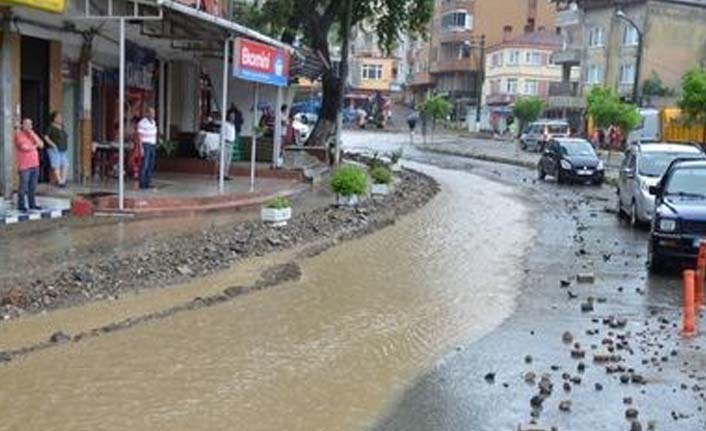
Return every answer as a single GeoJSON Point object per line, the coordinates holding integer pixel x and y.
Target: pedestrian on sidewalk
{"type": "Point", "coordinates": [57, 142]}
{"type": "Point", "coordinates": [238, 122]}
{"type": "Point", "coordinates": [27, 144]}
{"type": "Point", "coordinates": [230, 137]}
{"type": "Point", "coordinates": [147, 129]}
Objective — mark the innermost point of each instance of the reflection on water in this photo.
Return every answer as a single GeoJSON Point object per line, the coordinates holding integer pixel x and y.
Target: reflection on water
{"type": "Point", "coordinates": [326, 353]}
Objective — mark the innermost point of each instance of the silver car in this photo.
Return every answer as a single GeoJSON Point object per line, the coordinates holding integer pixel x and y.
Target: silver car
{"type": "Point", "coordinates": [539, 133]}
{"type": "Point", "coordinates": [642, 167]}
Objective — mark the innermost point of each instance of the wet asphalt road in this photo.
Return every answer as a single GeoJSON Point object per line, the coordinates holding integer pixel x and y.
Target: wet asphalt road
{"type": "Point", "coordinates": [577, 231]}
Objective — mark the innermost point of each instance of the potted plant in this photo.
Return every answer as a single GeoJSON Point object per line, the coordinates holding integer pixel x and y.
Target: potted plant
{"type": "Point", "coordinates": [382, 178]}
{"type": "Point", "coordinates": [349, 183]}
{"type": "Point", "coordinates": [276, 211]}
{"type": "Point", "coordinates": [395, 158]}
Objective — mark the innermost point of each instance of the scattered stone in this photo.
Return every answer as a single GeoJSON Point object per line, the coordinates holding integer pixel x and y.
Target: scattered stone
{"type": "Point", "coordinates": [565, 283]}
{"type": "Point", "coordinates": [635, 426]}
{"type": "Point", "coordinates": [60, 337]}
{"type": "Point", "coordinates": [530, 377]}
{"type": "Point", "coordinates": [567, 387]}
{"type": "Point", "coordinates": [627, 401]}
{"type": "Point", "coordinates": [598, 387]}
{"type": "Point", "coordinates": [587, 307]}
{"type": "Point", "coordinates": [586, 277]}
{"type": "Point", "coordinates": [567, 337]}
{"type": "Point", "coordinates": [528, 359]}
{"type": "Point", "coordinates": [490, 377]}
{"type": "Point", "coordinates": [184, 270]}
{"type": "Point", "coordinates": [631, 413]}
{"type": "Point", "coordinates": [625, 379]}
{"type": "Point", "coordinates": [565, 405]}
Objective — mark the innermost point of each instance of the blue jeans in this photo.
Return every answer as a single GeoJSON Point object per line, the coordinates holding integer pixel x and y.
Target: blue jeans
{"type": "Point", "coordinates": [149, 152]}
{"type": "Point", "coordinates": [28, 186]}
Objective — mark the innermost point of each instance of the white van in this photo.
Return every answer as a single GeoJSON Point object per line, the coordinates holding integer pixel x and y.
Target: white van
{"type": "Point", "coordinates": [649, 130]}
{"type": "Point", "coordinates": [540, 132]}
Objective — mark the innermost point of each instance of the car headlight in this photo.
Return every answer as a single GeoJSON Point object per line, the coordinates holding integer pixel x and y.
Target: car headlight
{"type": "Point", "coordinates": [565, 165]}
{"type": "Point", "coordinates": [600, 165]}
{"type": "Point", "coordinates": [667, 225]}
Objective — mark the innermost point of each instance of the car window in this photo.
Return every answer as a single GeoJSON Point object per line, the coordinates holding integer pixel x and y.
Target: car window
{"type": "Point", "coordinates": [555, 147]}
{"type": "Point", "coordinates": [653, 164]}
{"type": "Point", "coordinates": [558, 129]}
{"type": "Point", "coordinates": [687, 181]}
{"type": "Point", "coordinates": [632, 161]}
{"type": "Point", "coordinates": [578, 148]}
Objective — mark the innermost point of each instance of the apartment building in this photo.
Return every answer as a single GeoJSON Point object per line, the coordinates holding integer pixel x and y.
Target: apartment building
{"type": "Point", "coordinates": [371, 68]}
{"type": "Point", "coordinates": [460, 32]}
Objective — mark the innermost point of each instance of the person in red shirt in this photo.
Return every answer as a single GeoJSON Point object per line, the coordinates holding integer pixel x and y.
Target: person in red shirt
{"type": "Point", "coordinates": [27, 144]}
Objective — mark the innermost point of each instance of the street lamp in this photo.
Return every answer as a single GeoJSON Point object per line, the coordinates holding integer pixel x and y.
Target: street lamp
{"type": "Point", "coordinates": [638, 61]}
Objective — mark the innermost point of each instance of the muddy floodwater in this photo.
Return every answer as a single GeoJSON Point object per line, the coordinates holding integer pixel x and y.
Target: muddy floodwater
{"type": "Point", "coordinates": [331, 351]}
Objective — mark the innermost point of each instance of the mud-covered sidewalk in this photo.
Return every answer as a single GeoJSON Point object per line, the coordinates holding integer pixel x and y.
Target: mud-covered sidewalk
{"type": "Point", "coordinates": [167, 260]}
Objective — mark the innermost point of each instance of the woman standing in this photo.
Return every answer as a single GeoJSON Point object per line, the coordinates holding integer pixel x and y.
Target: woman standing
{"type": "Point", "coordinates": [57, 140]}
{"type": "Point", "coordinates": [27, 144]}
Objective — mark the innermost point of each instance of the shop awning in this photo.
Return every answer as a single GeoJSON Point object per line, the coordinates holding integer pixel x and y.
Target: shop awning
{"type": "Point", "coordinates": [212, 25]}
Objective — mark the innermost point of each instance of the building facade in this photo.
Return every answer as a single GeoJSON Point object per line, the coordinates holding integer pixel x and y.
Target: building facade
{"type": "Point", "coordinates": [371, 69]}
{"type": "Point", "coordinates": [673, 32]}
{"type": "Point", "coordinates": [459, 33]}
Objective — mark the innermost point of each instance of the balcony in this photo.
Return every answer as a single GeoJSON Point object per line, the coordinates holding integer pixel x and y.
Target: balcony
{"type": "Point", "coordinates": [569, 56]}
{"type": "Point", "coordinates": [450, 5]}
{"type": "Point", "coordinates": [568, 17]}
{"type": "Point", "coordinates": [565, 95]}
{"type": "Point", "coordinates": [500, 99]}
{"type": "Point", "coordinates": [453, 65]}
{"type": "Point", "coordinates": [420, 78]}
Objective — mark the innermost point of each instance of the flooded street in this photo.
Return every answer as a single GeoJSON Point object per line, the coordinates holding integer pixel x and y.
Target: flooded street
{"type": "Point", "coordinates": [331, 351]}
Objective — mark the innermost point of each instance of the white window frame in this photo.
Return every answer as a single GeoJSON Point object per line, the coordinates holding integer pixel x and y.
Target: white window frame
{"type": "Point", "coordinates": [627, 73]}
{"type": "Point", "coordinates": [513, 58]}
{"type": "Point", "coordinates": [594, 74]}
{"type": "Point", "coordinates": [533, 58]}
{"type": "Point", "coordinates": [371, 71]}
{"type": "Point", "coordinates": [596, 37]}
{"type": "Point", "coordinates": [630, 36]}
{"type": "Point", "coordinates": [447, 27]}
{"type": "Point", "coordinates": [511, 89]}
{"type": "Point", "coordinates": [530, 87]}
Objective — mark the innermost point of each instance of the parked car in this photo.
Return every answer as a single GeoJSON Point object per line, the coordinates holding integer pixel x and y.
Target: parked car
{"type": "Point", "coordinates": [642, 167]}
{"type": "Point", "coordinates": [679, 222]}
{"type": "Point", "coordinates": [571, 159]}
{"type": "Point", "coordinates": [539, 133]}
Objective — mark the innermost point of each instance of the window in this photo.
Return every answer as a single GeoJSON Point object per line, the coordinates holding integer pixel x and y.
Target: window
{"type": "Point", "coordinates": [511, 86]}
{"type": "Point", "coordinates": [531, 88]}
{"type": "Point", "coordinates": [457, 20]}
{"type": "Point", "coordinates": [513, 58]}
{"type": "Point", "coordinates": [594, 74]}
{"type": "Point", "coordinates": [497, 60]}
{"type": "Point", "coordinates": [372, 71]}
{"type": "Point", "coordinates": [533, 58]}
{"type": "Point", "coordinates": [629, 36]}
{"type": "Point", "coordinates": [596, 37]}
{"type": "Point", "coordinates": [627, 73]}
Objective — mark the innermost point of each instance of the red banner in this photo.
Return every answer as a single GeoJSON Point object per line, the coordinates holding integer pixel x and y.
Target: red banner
{"type": "Point", "coordinates": [258, 62]}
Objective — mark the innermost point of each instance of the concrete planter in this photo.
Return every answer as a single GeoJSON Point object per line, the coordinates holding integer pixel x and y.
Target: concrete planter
{"type": "Point", "coordinates": [397, 167]}
{"type": "Point", "coordinates": [381, 189]}
{"type": "Point", "coordinates": [276, 216]}
{"type": "Point", "coordinates": [347, 201]}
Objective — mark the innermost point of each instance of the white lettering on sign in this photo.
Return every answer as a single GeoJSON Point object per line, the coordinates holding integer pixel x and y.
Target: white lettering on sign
{"type": "Point", "coordinates": [259, 60]}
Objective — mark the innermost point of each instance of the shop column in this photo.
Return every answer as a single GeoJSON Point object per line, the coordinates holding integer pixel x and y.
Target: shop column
{"type": "Point", "coordinates": [85, 126]}
{"type": "Point", "coordinates": [9, 101]}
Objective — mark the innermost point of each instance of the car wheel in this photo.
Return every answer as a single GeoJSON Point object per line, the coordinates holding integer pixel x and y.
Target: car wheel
{"type": "Point", "coordinates": [559, 177]}
{"type": "Point", "coordinates": [540, 173]}
{"type": "Point", "coordinates": [655, 261]}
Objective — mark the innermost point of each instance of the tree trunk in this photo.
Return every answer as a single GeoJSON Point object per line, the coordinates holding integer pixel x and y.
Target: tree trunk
{"type": "Point", "coordinates": [703, 137]}
{"type": "Point", "coordinates": [329, 108]}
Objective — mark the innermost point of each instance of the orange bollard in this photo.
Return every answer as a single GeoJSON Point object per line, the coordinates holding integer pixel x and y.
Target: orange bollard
{"type": "Point", "coordinates": [701, 276]}
{"type": "Point", "coordinates": [689, 324]}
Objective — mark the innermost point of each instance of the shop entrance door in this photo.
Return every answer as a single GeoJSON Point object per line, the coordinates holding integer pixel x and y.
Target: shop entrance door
{"type": "Point", "coordinates": [34, 59]}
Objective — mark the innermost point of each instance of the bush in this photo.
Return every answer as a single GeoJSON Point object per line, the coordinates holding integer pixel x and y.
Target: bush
{"type": "Point", "coordinates": [375, 161]}
{"type": "Point", "coordinates": [349, 181]}
{"type": "Point", "coordinates": [278, 203]}
{"type": "Point", "coordinates": [381, 175]}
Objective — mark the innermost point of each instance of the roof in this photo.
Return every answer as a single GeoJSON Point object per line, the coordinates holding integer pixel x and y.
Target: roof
{"type": "Point", "coordinates": [571, 140]}
{"type": "Point", "coordinates": [678, 164]}
{"type": "Point", "coordinates": [539, 39]}
{"type": "Point", "coordinates": [668, 148]}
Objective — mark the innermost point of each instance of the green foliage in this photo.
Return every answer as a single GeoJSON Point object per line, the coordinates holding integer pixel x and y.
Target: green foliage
{"type": "Point", "coordinates": [606, 109]}
{"type": "Point", "coordinates": [381, 175]}
{"type": "Point", "coordinates": [375, 161]}
{"type": "Point", "coordinates": [280, 202]}
{"type": "Point", "coordinates": [653, 86]}
{"type": "Point", "coordinates": [166, 148]}
{"type": "Point", "coordinates": [693, 99]}
{"type": "Point", "coordinates": [436, 108]}
{"type": "Point", "coordinates": [349, 180]}
{"type": "Point", "coordinates": [527, 109]}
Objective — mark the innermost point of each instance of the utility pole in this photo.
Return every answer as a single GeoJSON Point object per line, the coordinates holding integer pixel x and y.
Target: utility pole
{"type": "Point", "coordinates": [479, 81]}
{"type": "Point", "coordinates": [638, 58]}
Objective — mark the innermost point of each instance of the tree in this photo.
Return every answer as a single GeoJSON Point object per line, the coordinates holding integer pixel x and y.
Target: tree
{"type": "Point", "coordinates": [654, 87]}
{"type": "Point", "coordinates": [693, 98]}
{"type": "Point", "coordinates": [606, 109]}
{"type": "Point", "coordinates": [527, 110]}
{"type": "Point", "coordinates": [314, 20]}
{"type": "Point", "coordinates": [435, 108]}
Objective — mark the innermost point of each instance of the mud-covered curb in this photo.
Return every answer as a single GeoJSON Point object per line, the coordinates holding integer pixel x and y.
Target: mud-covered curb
{"type": "Point", "coordinates": [190, 256]}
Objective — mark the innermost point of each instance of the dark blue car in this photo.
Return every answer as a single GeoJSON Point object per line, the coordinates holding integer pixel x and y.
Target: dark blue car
{"type": "Point", "coordinates": [679, 222]}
